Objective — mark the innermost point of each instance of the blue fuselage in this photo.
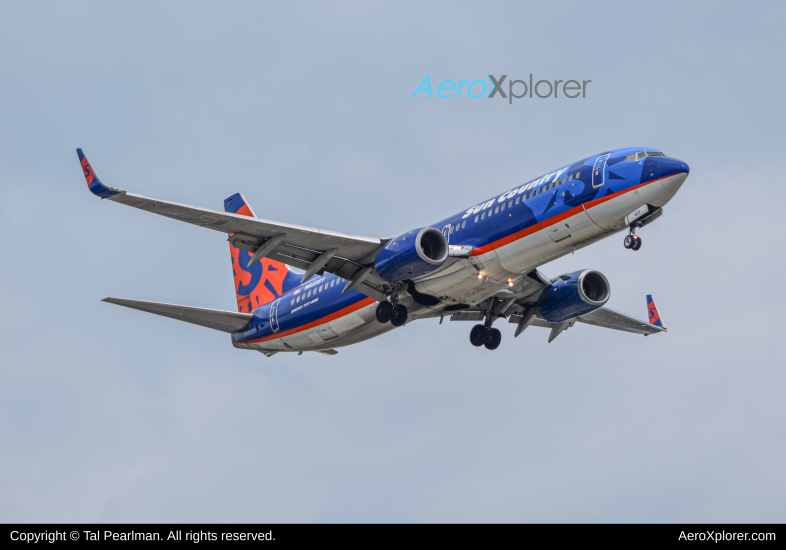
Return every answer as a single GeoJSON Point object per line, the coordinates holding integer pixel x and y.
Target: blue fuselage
{"type": "Point", "coordinates": [506, 220]}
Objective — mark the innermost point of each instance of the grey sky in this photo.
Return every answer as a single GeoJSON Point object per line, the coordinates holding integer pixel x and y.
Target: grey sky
{"type": "Point", "coordinates": [108, 414]}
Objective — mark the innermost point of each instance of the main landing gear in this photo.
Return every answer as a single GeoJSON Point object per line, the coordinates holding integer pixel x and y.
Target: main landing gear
{"type": "Point", "coordinates": [387, 312]}
{"type": "Point", "coordinates": [392, 311]}
{"type": "Point", "coordinates": [484, 335]}
{"type": "Point", "coordinates": [480, 335]}
{"type": "Point", "coordinates": [632, 241]}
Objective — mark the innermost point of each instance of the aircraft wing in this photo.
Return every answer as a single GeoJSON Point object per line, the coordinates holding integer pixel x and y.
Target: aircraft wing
{"type": "Point", "coordinates": [607, 318]}
{"type": "Point", "coordinates": [297, 245]}
{"type": "Point", "coordinates": [601, 317]}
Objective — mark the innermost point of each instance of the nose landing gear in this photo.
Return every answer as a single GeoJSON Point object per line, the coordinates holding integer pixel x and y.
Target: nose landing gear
{"type": "Point", "coordinates": [632, 241]}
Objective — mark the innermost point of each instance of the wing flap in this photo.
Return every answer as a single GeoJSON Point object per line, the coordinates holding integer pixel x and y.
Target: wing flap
{"type": "Point", "coordinates": [225, 321]}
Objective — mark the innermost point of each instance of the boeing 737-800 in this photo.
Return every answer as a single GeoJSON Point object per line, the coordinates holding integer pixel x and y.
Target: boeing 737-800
{"type": "Point", "coordinates": [478, 265]}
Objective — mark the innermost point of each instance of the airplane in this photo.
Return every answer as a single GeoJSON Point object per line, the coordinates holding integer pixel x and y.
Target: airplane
{"type": "Point", "coordinates": [479, 265]}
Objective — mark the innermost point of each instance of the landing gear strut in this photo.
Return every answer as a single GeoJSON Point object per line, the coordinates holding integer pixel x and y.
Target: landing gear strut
{"type": "Point", "coordinates": [392, 311]}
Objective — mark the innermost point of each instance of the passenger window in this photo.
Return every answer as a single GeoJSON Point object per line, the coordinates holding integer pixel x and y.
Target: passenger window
{"type": "Point", "coordinates": [564, 181]}
{"type": "Point", "coordinates": [570, 178]}
{"type": "Point", "coordinates": [510, 204]}
{"type": "Point", "coordinates": [464, 224]}
{"type": "Point", "coordinates": [502, 207]}
{"type": "Point", "coordinates": [458, 226]}
{"type": "Point", "coordinates": [293, 302]}
{"type": "Point", "coordinates": [309, 294]}
{"type": "Point", "coordinates": [476, 219]}
{"type": "Point", "coordinates": [297, 300]}
{"type": "Point", "coordinates": [496, 210]}
{"type": "Point", "coordinates": [576, 176]}
{"type": "Point", "coordinates": [517, 200]}
{"type": "Point", "coordinates": [483, 216]}
{"type": "Point", "coordinates": [320, 288]}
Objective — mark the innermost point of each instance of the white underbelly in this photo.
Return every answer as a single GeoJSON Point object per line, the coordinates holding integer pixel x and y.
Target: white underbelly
{"type": "Point", "coordinates": [543, 246]}
{"type": "Point", "coordinates": [346, 330]}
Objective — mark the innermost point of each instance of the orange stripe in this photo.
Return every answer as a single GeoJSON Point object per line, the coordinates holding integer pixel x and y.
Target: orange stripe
{"type": "Point", "coordinates": [553, 220]}
{"type": "Point", "coordinates": [340, 313]}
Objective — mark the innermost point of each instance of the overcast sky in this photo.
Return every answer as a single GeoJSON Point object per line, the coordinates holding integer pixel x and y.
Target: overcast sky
{"type": "Point", "coordinates": [109, 414]}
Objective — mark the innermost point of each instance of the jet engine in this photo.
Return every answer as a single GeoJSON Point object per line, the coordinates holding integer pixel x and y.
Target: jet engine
{"type": "Point", "coordinates": [574, 295]}
{"type": "Point", "coordinates": [412, 254]}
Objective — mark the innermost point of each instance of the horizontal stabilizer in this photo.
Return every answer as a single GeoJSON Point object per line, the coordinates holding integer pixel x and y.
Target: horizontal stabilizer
{"type": "Point", "coordinates": [226, 321]}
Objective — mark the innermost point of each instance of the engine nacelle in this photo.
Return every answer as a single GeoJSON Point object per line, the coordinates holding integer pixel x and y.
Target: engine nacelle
{"type": "Point", "coordinates": [575, 295]}
{"type": "Point", "coordinates": [412, 254]}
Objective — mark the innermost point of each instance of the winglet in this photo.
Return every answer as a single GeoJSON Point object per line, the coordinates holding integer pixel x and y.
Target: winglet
{"type": "Point", "coordinates": [93, 183]}
{"type": "Point", "coordinates": [653, 313]}
{"type": "Point", "coordinates": [237, 204]}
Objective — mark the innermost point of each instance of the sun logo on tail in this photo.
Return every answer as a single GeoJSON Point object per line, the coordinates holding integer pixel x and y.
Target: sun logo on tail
{"type": "Point", "coordinates": [654, 318]}
{"type": "Point", "coordinates": [88, 171]}
{"type": "Point", "coordinates": [259, 284]}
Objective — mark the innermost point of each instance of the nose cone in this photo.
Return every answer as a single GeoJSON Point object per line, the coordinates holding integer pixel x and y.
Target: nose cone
{"type": "Point", "coordinates": [673, 172]}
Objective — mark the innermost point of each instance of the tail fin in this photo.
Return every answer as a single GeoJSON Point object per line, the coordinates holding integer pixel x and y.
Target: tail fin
{"type": "Point", "coordinates": [653, 312]}
{"type": "Point", "coordinates": [264, 281]}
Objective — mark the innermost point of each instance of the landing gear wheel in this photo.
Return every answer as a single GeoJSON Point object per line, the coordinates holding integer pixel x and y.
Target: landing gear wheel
{"type": "Point", "coordinates": [493, 339]}
{"type": "Point", "coordinates": [629, 240]}
{"type": "Point", "coordinates": [384, 312]}
{"type": "Point", "coordinates": [636, 243]}
{"type": "Point", "coordinates": [399, 316]}
{"type": "Point", "coordinates": [478, 335]}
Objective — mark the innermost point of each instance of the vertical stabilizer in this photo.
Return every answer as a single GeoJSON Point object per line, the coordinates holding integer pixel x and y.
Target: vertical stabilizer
{"type": "Point", "coordinates": [263, 282]}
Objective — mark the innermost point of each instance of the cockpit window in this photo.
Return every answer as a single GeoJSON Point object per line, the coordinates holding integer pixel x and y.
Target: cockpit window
{"type": "Point", "coordinates": [641, 154]}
